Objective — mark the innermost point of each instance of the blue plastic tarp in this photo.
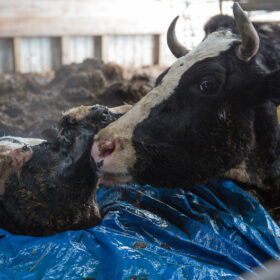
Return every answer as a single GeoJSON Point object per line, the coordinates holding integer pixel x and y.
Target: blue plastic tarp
{"type": "Point", "coordinates": [213, 231]}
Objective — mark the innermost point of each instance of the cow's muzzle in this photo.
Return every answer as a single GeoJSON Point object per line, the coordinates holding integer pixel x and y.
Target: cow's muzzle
{"type": "Point", "coordinates": [113, 158]}
{"type": "Point", "coordinates": [102, 153]}
{"type": "Point", "coordinates": [113, 152]}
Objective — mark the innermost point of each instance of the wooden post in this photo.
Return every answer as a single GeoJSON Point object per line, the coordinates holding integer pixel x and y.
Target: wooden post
{"type": "Point", "coordinates": [97, 47]}
{"type": "Point", "coordinates": [104, 48]}
{"type": "Point", "coordinates": [221, 6]}
{"type": "Point", "coordinates": [156, 49]}
{"type": "Point", "coordinates": [64, 50]}
{"type": "Point", "coordinates": [16, 54]}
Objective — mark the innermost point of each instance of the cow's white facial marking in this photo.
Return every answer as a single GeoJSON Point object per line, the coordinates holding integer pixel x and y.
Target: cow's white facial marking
{"type": "Point", "coordinates": [239, 173]}
{"type": "Point", "coordinates": [123, 128]}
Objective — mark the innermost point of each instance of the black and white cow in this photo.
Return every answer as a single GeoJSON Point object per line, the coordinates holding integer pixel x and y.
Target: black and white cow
{"type": "Point", "coordinates": [268, 56]}
{"type": "Point", "coordinates": [49, 186]}
{"type": "Point", "coordinates": [211, 114]}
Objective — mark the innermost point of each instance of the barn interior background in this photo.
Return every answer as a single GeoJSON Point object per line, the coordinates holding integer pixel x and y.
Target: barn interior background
{"type": "Point", "coordinates": [44, 36]}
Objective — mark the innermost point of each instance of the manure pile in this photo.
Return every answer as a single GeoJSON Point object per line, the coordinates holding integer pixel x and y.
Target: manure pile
{"type": "Point", "coordinates": [31, 104]}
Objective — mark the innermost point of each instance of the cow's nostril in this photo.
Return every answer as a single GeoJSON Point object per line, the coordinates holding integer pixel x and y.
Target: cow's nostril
{"type": "Point", "coordinates": [100, 164]}
{"type": "Point", "coordinates": [101, 152]}
{"type": "Point", "coordinates": [107, 148]}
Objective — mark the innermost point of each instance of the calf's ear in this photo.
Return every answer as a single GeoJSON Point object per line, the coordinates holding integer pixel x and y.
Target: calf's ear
{"type": "Point", "coordinates": [271, 87]}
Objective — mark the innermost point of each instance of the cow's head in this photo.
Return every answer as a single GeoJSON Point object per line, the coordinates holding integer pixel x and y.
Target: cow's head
{"type": "Point", "coordinates": [198, 121]}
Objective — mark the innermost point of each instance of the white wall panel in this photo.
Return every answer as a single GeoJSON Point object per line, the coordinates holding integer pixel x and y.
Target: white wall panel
{"type": "Point", "coordinates": [6, 56]}
{"type": "Point", "coordinates": [131, 50]}
{"type": "Point", "coordinates": [39, 54]}
{"type": "Point", "coordinates": [80, 48]}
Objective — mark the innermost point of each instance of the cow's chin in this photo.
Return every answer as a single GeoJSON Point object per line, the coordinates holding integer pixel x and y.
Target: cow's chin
{"type": "Point", "coordinates": [112, 179]}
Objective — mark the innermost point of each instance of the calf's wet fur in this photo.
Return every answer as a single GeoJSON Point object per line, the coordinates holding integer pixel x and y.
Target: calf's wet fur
{"type": "Point", "coordinates": [50, 187]}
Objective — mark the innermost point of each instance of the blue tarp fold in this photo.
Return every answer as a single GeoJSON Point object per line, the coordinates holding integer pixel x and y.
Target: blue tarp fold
{"type": "Point", "coordinates": [213, 231]}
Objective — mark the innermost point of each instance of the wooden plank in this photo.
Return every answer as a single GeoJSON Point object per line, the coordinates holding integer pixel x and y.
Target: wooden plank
{"type": "Point", "coordinates": [81, 18]}
{"type": "Point", "coordinates": [48, 27]}
{"type": "Point", "coordinates": [64, 50]}
{"type": "Point", "coordinates": [88, 8]}
{"type": "Point", "coordinates": [255, 5]}
{"type": "Point", "coordinates": [156, 49]}
{"type": "Point", "coordinates": [261, 6]}
{"type": "Point", "coordinates": [16, 54]}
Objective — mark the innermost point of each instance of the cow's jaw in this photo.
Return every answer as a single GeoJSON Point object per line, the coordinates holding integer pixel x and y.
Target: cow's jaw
{"type": "Point", "coordinates": [110, 179]}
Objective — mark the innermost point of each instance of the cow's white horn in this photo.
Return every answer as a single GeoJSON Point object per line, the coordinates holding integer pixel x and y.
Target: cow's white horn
{"type": "Point", "coordinates": [175, 47]}
{"type": "Point", "coordinates": [249, 36]}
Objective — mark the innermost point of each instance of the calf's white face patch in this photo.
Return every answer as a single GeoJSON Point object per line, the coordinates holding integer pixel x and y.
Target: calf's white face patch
{"type": "Point", "coordinates": [122, 129]}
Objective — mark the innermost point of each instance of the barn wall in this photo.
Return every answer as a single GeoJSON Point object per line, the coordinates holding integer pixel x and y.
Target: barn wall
{"type": "Point", "coordinates": [49, 33]}
{"type": "Point", "coordinates": [127, 50]}
{"type": "Point", "coordinates": [44, 54]}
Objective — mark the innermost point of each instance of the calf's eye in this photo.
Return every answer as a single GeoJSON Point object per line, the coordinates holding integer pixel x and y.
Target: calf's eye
{"type": "Point", "coordinates": [104, 116]}
{"type": "Point", "coordinates": [207, 86]}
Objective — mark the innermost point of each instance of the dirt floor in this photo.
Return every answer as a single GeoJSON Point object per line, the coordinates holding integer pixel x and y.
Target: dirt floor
{"type": "Point", "coordinates": [31, 104]}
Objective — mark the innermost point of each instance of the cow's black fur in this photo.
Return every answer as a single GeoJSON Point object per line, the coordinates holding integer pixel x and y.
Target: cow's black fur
{"type": "Point", "coordinates": [268, 56]}
{"type": "Point", "coordinates": [55, 190]}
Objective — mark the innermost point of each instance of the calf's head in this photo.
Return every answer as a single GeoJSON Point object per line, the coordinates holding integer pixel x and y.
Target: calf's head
{"type": "Point", "coordinates": [198, 121]}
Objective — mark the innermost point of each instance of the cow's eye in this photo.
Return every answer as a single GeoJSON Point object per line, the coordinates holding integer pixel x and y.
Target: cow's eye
{"type": "Point", "coordinates": [207, 86]}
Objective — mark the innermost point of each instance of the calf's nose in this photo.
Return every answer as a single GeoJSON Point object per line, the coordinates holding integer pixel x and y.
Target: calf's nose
{"type": "Point", "coordinates": [102, 152]}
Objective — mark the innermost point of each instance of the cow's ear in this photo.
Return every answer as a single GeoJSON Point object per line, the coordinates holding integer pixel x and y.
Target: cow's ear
{"type": "Point", "coordinates": [271, 87]}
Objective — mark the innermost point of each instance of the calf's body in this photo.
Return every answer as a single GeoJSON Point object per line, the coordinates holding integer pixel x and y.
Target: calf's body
{"type": "Point", "coordinates": [49, 186]}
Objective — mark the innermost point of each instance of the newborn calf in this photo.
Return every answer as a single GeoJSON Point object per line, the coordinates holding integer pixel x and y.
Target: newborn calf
{"type": "Point", "coordinates": [49, 186]}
